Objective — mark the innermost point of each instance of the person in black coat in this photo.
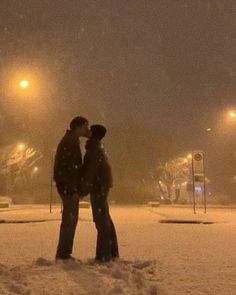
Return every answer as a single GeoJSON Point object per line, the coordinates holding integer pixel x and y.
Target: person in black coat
{"type": "Point", "coordinates": [67, 171]}
{"type": "Point", "coordinates": [97, 180]}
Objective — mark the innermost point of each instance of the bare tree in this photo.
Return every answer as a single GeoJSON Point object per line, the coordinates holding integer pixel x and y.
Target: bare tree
{"type": "Point", "coordinates": [171, 174]}
{"type": "Point", "coordinates": [18, 161]}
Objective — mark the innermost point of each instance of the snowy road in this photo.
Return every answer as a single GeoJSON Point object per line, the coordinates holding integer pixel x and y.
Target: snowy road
{"type": "Point", "coordinates": [157, 258]}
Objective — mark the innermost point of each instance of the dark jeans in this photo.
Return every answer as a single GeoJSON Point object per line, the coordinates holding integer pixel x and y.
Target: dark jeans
{"type": "Point", "coordinates": [107, 244]}
{"type": "Point", "coordinates": [70, 216]}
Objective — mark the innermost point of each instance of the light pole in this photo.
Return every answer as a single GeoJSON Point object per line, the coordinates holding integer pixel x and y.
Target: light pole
{"type": "Point", "coordinates": [190, 178]}
{"type": "Point", "coordinates": [33, 172]}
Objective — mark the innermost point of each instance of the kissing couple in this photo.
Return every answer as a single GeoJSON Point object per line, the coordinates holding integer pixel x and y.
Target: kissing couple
{"type": "Point", "coordinates": [76, 178]}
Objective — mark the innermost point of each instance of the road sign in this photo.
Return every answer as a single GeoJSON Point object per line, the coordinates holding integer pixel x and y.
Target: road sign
{"type": "Point", "coordinates": [198, 174]}
{"type": "Point", "coordinates": [199, 178]}
{"type": "Point", "coordinates": [198, 163]}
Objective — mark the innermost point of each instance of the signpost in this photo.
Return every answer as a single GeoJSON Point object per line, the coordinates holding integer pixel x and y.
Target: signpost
{"type": "Point", "coordinates": [198, 175]}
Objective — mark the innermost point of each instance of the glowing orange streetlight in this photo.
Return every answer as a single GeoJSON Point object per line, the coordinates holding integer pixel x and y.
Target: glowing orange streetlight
{"type": "Point", "coordinates": [189, 156]}
{"type": "Point", "coordinates": [232, 114]}
{"type": "Point", "coordinates": [35, 169]}
{"type": "Point", "coordinates": [21, 146]}
{"type": "Point", "coordinates": [24, 84]}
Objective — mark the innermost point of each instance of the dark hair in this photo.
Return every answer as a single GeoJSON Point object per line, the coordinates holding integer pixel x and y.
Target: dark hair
{"type": "Point", "coordinates": [98, 131]}
{"type": "Point", "coordinates": [77, 122]}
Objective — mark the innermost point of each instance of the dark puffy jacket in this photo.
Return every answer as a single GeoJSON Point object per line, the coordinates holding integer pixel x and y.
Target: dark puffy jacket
{"type": "Point", "coordinates": [96, 171]}
{"type": "Point", "coordinates": [68, 164]}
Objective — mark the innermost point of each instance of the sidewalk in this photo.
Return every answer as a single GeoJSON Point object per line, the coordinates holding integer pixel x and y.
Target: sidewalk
{"type": "Point", "coordinates": [178, 214]}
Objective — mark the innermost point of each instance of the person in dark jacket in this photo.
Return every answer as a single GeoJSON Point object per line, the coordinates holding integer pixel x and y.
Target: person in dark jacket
{"type": "Point", "coordinates": [67, 171]}
{"type": "Point", "coordinates": [97, 180]}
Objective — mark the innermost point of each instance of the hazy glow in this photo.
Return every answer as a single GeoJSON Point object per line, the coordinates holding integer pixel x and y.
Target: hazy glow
{"type": "Point", "coordinates": [24, 84]}
{"type": "Point", "coordinates": [35, 169]}
{"type": "Point", "coordinates": [21, 146]}
{"type": "Point", "coordinates": [232, 114]}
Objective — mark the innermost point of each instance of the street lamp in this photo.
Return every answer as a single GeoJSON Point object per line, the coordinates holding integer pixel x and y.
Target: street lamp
{"type": "Point", "coordinates": [21, 146]}
{"type": "Point", "coordinates": [24, 84]}
{"type": "Point", "coordinates": [232, 114]}
{"type": "Point", "coordinates": [189, 156]}
{"type": "Point", "coordinates": [35, 169]}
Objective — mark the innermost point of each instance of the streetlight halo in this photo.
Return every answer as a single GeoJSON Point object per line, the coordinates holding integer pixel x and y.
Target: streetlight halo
{"type": "Point", "coordinates": [232, 114]}
{"type": "Point", "coordinates": [24, 84]}
{"type": "Point", "coordinates": [21, 146]}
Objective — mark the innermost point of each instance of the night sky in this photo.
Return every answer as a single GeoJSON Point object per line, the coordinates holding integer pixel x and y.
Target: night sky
{"type": "Point", "coordinates": [164, 66]}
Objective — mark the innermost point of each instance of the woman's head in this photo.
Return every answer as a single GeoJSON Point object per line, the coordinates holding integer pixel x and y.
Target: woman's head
{"type": "Point", "coordinates": [98, 132]}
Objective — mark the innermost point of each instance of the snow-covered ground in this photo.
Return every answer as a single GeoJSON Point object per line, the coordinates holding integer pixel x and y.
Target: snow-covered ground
{"type": "Point", "coordinates": [157, 258]}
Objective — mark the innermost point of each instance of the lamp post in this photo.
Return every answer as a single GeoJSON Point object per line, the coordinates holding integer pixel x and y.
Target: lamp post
{"type": "Point", "coordinates": [33, 172]}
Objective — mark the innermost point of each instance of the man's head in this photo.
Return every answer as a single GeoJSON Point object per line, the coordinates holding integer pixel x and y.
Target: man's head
{"type": "Point", "coordinates": [80, 126]}
{"type": "Point", "coordinates": [98, 132]}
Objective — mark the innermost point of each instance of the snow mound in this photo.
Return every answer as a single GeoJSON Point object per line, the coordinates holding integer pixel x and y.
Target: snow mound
{"type": "Point", "coordinates": [42, 262]}
{"type": "Point", "coordinates": [44, 277]}
{"type": "Point", "coordinates": [143, 264]}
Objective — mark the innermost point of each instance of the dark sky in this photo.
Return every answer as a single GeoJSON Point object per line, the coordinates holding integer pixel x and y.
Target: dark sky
{"type": "Point", "coordinates": [165, 65]}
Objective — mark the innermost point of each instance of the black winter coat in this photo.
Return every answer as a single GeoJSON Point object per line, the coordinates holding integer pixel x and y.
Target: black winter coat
{"type": "Point", "coordinates": [68, 164]}
{"type": "Point", "coordinates": [96, 170]}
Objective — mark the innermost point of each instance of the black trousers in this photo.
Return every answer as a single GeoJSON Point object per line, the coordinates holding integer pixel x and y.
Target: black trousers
{"type": "Point", "coordinates": [70, 215]}
{"type": "Point", "coordinates": [107, 244]}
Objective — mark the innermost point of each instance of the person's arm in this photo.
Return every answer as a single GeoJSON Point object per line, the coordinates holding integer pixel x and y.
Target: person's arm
{"type": "Point", "coordinates": [62, 163]}
{"type": "Point", "coordinates": [89, 171]}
